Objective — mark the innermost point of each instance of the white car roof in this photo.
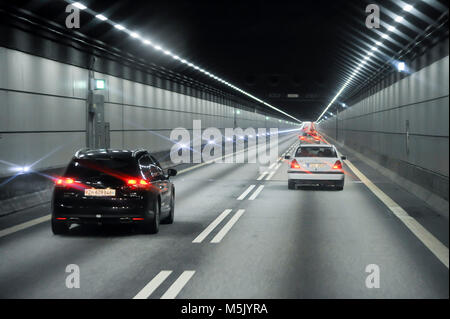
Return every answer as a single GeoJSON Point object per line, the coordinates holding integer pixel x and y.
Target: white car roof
{"type": "Point", "coordinates": [316, 145]}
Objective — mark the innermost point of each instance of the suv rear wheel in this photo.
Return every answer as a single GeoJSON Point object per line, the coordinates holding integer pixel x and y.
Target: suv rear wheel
{"type": "Point", "coordinates": [151, 223]}
{"type": "Point", "coordinates": [169, 219]}
{"type": "Point", "coordinates": [59, 228]}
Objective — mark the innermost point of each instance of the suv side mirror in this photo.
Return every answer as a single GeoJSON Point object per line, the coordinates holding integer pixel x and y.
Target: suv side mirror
{"type": "Point", "coordinates": [171, 172]}
{"type": "Point", "coordinates": [287, 157]}
{"type": "Point", "coordinates": [343, 157]}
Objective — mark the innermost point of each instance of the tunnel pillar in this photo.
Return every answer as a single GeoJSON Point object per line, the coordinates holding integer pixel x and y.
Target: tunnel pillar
{"type": "Point", "coordinates": [97, 130]}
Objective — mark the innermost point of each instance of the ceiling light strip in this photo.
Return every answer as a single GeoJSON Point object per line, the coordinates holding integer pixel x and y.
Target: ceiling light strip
{"type": "Point", "coordinates": [148, 42]}
{"type": "Point", "coordinates": [384, 36]}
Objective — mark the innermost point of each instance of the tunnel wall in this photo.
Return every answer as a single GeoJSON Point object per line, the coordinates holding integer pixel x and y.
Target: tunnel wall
{"type": "Point", "coordinates": [43, 115]}
{"type": "Point", "coordinates": [377, 126]}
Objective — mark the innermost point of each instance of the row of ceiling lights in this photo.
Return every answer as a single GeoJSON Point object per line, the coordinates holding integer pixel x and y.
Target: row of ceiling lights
{"type": "Point", "coordinates": [157, 47]}
{"type": "Point", "coordinates": [384, 36]}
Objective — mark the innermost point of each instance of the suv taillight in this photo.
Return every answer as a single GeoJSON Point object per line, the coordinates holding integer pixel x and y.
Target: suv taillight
{"type": "Point", "coordinates": [138, 183]}
{"type": "Point", "coordinates": [64, 181]}
{"type": "Point", "coordinates": [294, 164]}
{"type": "Point", "coordinates": [337, 165]}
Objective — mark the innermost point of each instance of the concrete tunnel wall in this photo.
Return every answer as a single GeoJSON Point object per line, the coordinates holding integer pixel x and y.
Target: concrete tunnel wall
{"type": "Point", "coordinates": [43, 113]}
{"type": "Point", "coordinates": [377, 126]}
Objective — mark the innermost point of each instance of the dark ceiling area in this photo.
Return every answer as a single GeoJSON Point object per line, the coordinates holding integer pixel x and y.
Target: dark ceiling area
{"type": "Point", "coordinates": [292, 54]}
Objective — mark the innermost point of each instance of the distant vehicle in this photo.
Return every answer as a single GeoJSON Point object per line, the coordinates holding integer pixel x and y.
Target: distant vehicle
{"type": "Point", "coordinates": [314, 165]}
{"type": "Point", "coordinates": [307, 138]}
{"type": "Point", "coordinates": [113, 186]}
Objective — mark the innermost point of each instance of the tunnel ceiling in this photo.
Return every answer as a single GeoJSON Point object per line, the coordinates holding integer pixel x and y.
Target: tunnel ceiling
{"type": "Point", "coordinates": [293, 54]}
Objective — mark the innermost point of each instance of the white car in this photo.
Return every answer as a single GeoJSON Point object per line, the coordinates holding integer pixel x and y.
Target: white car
{"type": "Point", "coordinates": [316, 165]}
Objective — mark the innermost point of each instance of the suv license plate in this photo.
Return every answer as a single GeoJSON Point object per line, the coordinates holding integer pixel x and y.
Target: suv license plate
{"type": "Point", "coordinates": [99, 192]}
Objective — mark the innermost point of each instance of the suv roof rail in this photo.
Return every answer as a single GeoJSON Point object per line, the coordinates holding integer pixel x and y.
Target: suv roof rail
{"type": "Point", "coordinates": [81, 150]}
{"type": "Point", "coordinates": [136, 152]}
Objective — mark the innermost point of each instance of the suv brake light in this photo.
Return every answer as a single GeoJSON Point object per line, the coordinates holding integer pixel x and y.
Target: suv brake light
{"type": "Point", "coordinates": [64, 181]}
{"type": "Point", "coordinates": [137, 183]}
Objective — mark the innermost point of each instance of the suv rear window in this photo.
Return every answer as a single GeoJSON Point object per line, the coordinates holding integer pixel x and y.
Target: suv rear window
{"type": "Point", "coordinates": [316, 151]}
{"type": "Point", "coordinates": [86, 168]}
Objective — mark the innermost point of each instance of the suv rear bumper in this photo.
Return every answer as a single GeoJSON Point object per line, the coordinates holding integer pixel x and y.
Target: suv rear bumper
{"type": "Point", "coordinates": [98, 215]}
{"type": "Point", "coordinates": [299, 176]}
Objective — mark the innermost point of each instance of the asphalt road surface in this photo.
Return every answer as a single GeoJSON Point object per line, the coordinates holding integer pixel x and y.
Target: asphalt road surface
{"type": "Point", "coordinates": [234, 240]}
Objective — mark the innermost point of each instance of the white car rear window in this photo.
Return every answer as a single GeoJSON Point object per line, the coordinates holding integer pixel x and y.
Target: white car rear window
{"type": "Point", "coordinates": [316, 151]}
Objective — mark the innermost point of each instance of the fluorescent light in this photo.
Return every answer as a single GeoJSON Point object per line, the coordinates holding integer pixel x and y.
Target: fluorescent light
{"type": "Point", "coordinates": [401, 66]}
{"type": "Point", "coordinates": [408, 8]}
{"type": "Point", "coordinates": [146, 42]}
{"type": "Point", "coordinates": [157, 47]}
{"type": "Point", "coordinates": [120, 27]}
{"type": "Point", "coordinates": [79, 5]}
{"type": "Point", "coordinates": [135, 35]}
{"type": "Point", "coordinates": [101, 17]}
{"type": "Point", "coordinates": [167, 52]}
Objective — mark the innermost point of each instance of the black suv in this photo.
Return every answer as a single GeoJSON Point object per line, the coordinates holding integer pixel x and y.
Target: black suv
{"type": "Point", "coordinates": [113, 186]}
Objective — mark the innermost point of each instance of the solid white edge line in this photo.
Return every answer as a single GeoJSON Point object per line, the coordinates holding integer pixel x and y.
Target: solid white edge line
{"type": "Point", "coordinates": [431, 242]}
{"type": "Point", "coordinates": [153, 284]}
{"type": "Point", "coordinates": [176, 287]}
{"type": "Point", "coordinates": [225, 229]}
{"type": "Point", "coordinates": [211, 226]}
{"type": "Point", "coordinates": [25, 225]}
{"type": "Point", "coordinates": [256, 193]}
{"type": "Point", "coordinates": [248, 190]}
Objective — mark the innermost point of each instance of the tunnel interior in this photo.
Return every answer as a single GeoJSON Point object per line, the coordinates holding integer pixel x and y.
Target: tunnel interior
{"type": "Point", "coordinates": [221, 97]}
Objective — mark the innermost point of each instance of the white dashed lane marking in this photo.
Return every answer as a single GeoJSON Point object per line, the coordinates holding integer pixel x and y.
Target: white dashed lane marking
{"type": "Point", "coordinates": [227, 227]}
{"type": "Point", "coordinates": [211, 226]}
{"type": "Point", "coordinates": [256, 193]}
